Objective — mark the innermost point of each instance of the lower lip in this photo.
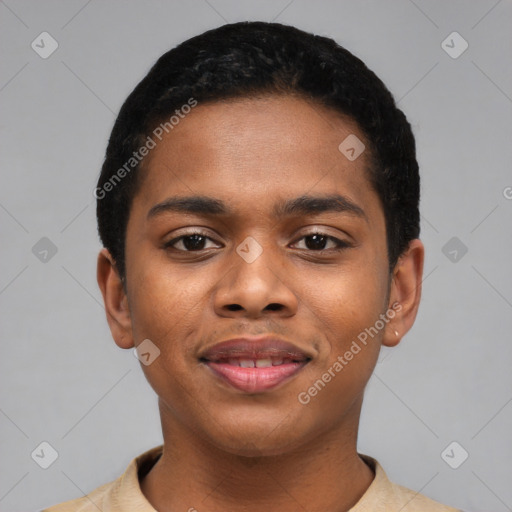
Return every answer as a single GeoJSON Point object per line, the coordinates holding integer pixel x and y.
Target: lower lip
{"type": "Point", "coordinates": [255, 380]}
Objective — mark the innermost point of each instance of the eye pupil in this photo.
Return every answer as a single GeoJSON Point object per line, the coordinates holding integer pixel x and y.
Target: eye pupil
{"type": "Point", "coordinates": [315, 242]}
{"type": "Point", "coordinates": [194, 242]}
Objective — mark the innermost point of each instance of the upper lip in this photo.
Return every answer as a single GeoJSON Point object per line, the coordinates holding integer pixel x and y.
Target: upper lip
{"type": "Point", "coordinates": [254, 348]}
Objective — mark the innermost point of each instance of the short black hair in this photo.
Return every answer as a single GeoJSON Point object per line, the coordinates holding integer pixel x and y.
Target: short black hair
{"type": "Point", "coordinates": [248, 59]}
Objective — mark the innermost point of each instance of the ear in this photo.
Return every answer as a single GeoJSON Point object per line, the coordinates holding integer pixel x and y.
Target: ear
{"type": "Point", "coordinates": [405, 293]}
{"type": "Point", "coordinates": [115, 300]}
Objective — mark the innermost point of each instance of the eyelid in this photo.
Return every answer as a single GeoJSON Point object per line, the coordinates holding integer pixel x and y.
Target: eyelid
{"type": "Point", "coordinates": [191, 232]}
{"type": "Point", "coordinates": [340, 243]}
{"type": "Point", "coordinates": [321, 230]}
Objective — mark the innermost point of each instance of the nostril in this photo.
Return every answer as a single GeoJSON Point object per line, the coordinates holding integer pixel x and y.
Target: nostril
{"type": "Point", "coordinates": [274, 307]}
{"type": "Point", "coordinates": [234, 307]}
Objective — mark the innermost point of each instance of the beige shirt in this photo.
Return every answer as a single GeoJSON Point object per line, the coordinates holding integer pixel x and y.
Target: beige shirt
{"type": "Point", "coordinates": [124, 494]}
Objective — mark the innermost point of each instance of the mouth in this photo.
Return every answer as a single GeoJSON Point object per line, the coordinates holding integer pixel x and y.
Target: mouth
{"type": "Point", "coordinates": [255, 365]}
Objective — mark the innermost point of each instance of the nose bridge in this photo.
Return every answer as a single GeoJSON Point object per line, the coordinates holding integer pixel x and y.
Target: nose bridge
{"type": "Point", "coordinates": [258, 270]}
{"type": "Point", "coordinates": [254, 283]}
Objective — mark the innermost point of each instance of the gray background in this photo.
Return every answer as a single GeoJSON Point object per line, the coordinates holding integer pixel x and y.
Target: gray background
{"type": "Point", "coordinates": [64, 380]}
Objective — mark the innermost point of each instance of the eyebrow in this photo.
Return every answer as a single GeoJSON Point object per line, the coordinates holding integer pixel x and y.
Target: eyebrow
{"type": "Point", "coordinates": [312, 205]}
{"type": "Point", "coordinates": [201, 205]}
{"type": "Point", "coordinates": [303, 205]}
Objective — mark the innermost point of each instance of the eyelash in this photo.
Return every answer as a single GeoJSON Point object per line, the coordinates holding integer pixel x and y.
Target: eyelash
{"type": "Point", "coordinates": [340, 244]}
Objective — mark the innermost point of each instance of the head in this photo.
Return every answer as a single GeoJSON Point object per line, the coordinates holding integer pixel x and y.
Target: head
{"type": "Point", "coordinates": [262, 139]}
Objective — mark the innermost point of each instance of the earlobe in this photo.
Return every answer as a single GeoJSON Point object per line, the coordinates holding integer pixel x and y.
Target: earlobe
{"type": "Point", "coordinates": [115, 300]}
{"type": "Point", "coordinates": [405, 292]}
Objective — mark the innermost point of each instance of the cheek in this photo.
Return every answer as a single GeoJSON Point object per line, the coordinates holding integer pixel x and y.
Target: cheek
{"type": "Point", "coordinates": [165, 312]}
{"type": "Point", "coordinates": [349, 300]}
{"type": "Point", "coordinates": [164, 304]}
{"type": "Point", "coordinates": [337, 381]}
{"type": "Point", "coordinates": [349, 303]}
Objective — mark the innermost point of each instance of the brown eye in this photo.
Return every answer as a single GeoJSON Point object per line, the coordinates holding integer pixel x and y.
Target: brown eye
{"type": "Point", "coordinates": [192, 242]}
{"type": "Point", "coordinates": [321, 242]}
{"type": "Point", "coordinates": [316, 242]}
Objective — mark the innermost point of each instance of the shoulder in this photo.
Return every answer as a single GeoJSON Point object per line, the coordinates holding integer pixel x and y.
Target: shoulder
{"type": "Point", "coordinates": [412, 501]}
{"type": "Point", "coordinates": [386, 496]}
{"type": "Point", "coordinates": [124, 493]}
{"type": "Point", "coordinates": [90, 503]}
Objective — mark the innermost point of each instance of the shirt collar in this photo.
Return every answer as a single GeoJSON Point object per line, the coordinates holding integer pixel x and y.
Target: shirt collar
{"type": "Point", "coordinates": [127, 494]}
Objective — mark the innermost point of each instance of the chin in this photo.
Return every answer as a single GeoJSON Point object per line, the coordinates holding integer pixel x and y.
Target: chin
{"type": "Point", "coordinates": [254, 448]}
{"type": "Point", "coordinates": [259, 439]}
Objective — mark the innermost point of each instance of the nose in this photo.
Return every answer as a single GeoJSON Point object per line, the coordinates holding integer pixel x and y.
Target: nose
{"type": "Point", "coordinates": [253, 290]}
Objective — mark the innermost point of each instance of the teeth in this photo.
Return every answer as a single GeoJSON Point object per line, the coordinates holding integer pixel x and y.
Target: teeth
{"type": "Point", "coordinates": [258, 363]}
{"type": "Point", "coordinates": [263, 363]}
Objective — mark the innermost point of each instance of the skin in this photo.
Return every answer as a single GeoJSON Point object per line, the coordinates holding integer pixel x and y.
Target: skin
{"type": "Point", "coordinates": [225, 449]}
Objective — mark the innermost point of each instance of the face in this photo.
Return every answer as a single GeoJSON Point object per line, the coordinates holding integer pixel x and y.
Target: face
{"type": "Point", "coordinates": [251, 227]}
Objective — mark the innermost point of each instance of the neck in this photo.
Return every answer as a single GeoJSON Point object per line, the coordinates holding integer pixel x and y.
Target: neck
{"type": "Point", "coordinates": [323, 474]}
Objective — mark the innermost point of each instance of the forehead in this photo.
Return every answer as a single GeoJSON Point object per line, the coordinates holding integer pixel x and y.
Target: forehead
{"type": "Point", "coordinates": [249, 150]}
